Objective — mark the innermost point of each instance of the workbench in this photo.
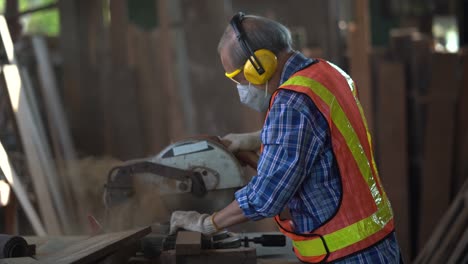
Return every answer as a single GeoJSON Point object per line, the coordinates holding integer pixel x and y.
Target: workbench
{"type": "Point", "coordinates": [124, 247]}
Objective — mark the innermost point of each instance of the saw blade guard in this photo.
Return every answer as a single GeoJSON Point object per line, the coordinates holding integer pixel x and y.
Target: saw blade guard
{"type": "Point", "coordinates": [217, 166]}
{"type": "Point", "coordinates": [211, 168]}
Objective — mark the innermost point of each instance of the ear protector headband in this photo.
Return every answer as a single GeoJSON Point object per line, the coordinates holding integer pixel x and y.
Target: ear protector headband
{"type": "Point", "coordinates": [261, 64]}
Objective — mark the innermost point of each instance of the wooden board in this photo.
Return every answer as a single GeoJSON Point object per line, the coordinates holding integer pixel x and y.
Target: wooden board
{"type": "Point", "coordinates": [438, 143]}
{"type": "Point", "coordinates": [391, 143]}
{"type": "Point", "coordinates": [225, 256]}
{"type": "Point", "coordinates": [166, 51]}
{"type": "Point", "coordinates": [83, 52]}
{"type": "Point", "coordinates": [20, 193]}
{"type": "Point", "coordinates": [188, 243]}
{"type": "Point", "coordinates": [24, 260]}
{"type": "Point", "coordinates": [461, 146]}
{"type": "Point", "coordinates": [152, 97]}
{"type": "Point", "coordinates": [359, 47]}
{"type": "Point", "coordinates": [122, 118]}
{"type": "Point", "coordinates": [440, 233]}
{"type": "Point", "coordinates": [96, 247]}
{"type": "Point", "coordinates": [60, 135]}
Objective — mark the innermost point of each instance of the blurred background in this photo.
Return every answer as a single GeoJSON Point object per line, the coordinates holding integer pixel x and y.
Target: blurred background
{"type": "Point", "coordinates": [100, 82]}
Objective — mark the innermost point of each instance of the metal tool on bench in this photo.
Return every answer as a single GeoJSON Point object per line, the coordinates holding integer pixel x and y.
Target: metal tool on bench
{"type": "Point", "coordinates": [193, 174]}
{"type": "Point", "coordinates": [154, 245]}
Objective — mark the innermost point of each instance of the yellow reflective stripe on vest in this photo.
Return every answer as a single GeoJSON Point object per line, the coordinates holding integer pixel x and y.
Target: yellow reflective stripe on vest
{"type": "Point", "coordinates": [343, 124]}
{"type": "Point", "coordinates": [346, 236]}
{"type": "Point", "coordinates": [365, 227]}
{"type": "Point", "coordinates": [352, 86]}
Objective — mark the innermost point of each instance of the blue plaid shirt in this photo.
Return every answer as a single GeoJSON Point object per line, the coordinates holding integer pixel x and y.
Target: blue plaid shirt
{"type": "Point", "coordinates": [297, 168]}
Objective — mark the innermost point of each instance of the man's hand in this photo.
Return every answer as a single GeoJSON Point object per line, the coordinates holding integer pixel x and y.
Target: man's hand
{"type": "Point", "coordinates": [243, 142]}
{"type": "Point", "coordinates": [192, 221]}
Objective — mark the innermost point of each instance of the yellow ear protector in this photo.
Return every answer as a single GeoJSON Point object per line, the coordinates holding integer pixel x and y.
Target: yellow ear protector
{"type": "Point", "coordinates": [261, 64]}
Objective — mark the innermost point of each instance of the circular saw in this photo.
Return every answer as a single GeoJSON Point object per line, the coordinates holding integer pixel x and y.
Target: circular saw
{"type": "Point", "coordinates": [193, 174]}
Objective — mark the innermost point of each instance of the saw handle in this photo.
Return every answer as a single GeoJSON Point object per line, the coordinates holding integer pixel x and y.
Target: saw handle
{"type": "Point", "coordinates": [267, 240]}
{"type": "Point", "coordinates": [248, 157]}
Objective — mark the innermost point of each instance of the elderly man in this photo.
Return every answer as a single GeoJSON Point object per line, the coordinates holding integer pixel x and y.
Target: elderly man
{"type": "Point", "coordinates": [316, 158]}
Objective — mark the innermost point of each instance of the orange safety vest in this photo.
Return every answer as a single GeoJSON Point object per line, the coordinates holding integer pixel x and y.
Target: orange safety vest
{"type": "Point", "coordinates": [364, 216]}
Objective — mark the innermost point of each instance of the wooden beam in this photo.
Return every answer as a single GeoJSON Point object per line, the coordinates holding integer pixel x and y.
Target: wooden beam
{"type": "Point", "coordinates": [58, 127]}
{"type": "Point", "coordinates": [11, 215]}
{"type": "Point", "coordinates": [44, 153]}
{"type": "Point", "coordinates": [122, 116]}
{"type": "Point", "coordinates": [439, 142]}
{"type": "Point", "coordinates": [11, 8]}
{"type": "Point", "coordinates": [461, 140]}
{"type": "Point", "coordinates": [20, 192]}
{"type": "Point", "coordinates": [443, 227]}
{"type": "Point", "coordinates": [95, 248]}
{"type": "Point", "coordinates": [166, 51]}
{"type": "Point", "coordinates": [359, 47]}
{"type": "Point", "coordinates": [152, 101]}
{"type": "Point", "coordinates": [22, 260]}
{"type": "Point", "coordinates": [81, 47]}
{"type": "Point", "coordinates": [226, 256]}
{"type": "Point", "coordinates": [391, 132]}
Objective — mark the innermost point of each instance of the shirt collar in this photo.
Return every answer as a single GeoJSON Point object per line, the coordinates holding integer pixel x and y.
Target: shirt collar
{"type": "Point", "coordinates": [295, 63]}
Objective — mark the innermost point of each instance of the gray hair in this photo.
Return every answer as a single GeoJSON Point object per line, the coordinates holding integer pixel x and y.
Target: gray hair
{"type": "Point", "coordinates": [261, 33]}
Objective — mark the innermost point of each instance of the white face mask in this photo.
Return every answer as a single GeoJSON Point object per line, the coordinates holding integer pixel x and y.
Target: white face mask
{"type": "Point", "coordinates": [253, 97]}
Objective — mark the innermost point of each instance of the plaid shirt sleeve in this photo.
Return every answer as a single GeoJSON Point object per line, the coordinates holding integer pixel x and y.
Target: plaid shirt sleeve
{"type": "Point", "coordinates": [291, 145]}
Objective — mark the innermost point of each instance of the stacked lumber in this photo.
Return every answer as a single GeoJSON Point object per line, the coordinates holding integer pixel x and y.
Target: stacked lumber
{"type": "Point", "coordinates": [421, 132]}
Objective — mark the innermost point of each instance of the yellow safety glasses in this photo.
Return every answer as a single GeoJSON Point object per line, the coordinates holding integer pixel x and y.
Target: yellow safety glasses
{"type": "Point", "coordinates": [232, 75]}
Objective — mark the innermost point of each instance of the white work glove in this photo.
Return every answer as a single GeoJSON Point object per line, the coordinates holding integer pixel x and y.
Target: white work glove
{"type": "Point", "coordinates": [245, 141]}
{"type": "Point", "coordinates": [192, 221]}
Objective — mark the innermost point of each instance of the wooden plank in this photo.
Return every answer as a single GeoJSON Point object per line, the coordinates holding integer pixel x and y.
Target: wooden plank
{"type": "Point", "coordinates": [334, 41]}
{"type": "Point", "coordinates": [461, 151]}
{"type": "Point", "coordinates": [122, 255]}
{"type": "Point", "coordinates": [96, 247]}
{"type": "Point", "coordinates": [11, 215]}
{"type": "Point", "coordinates": [120, 94]}
{"type": "Point", "coordinates": [81, 47]}
{"type": "Point", "coordinates": [188, 243]}
{"type": "Point", "coordinates": [443, 227]}
{"type": "Point", "coordinates": [71, 50]}
{"type": "Point", "coordinates": [152, 100]}
{"type": "Point", "coordinates": [64, 151]}
{"type": "Point", "coordinates": [21, 194]}
{"type": "Point", "coordinates": [176, 127]}
{"type": "Point", "coordinates": [419, 47]}
{"type": "Point", "coordinates": [22, 260]}
{"type": "Point", "coordinates": [44, 153]}
{"type": "Point", "coordinates": [225, 256]}
{"type": "Point", "coordinates": [451, 238]}
{"type": "Point", "coordinates": [392, 146]}
{"type": "Point", "coordinates": [28, 132]}
{"type": "Point", "coordinates": [11, 8]}
{"type": "Point", "coordinates": [48, 245]}
{"type": "Point", "coordinates": [418, 58]}
{"type": "Point", "coordinates": [439, 140]}
{"type": "Point", "coordinates": [182, 64]}
{"type": "Point", "coordinates": [460, 250]}
{"type": "Point", "coordinates": [359, 48]}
